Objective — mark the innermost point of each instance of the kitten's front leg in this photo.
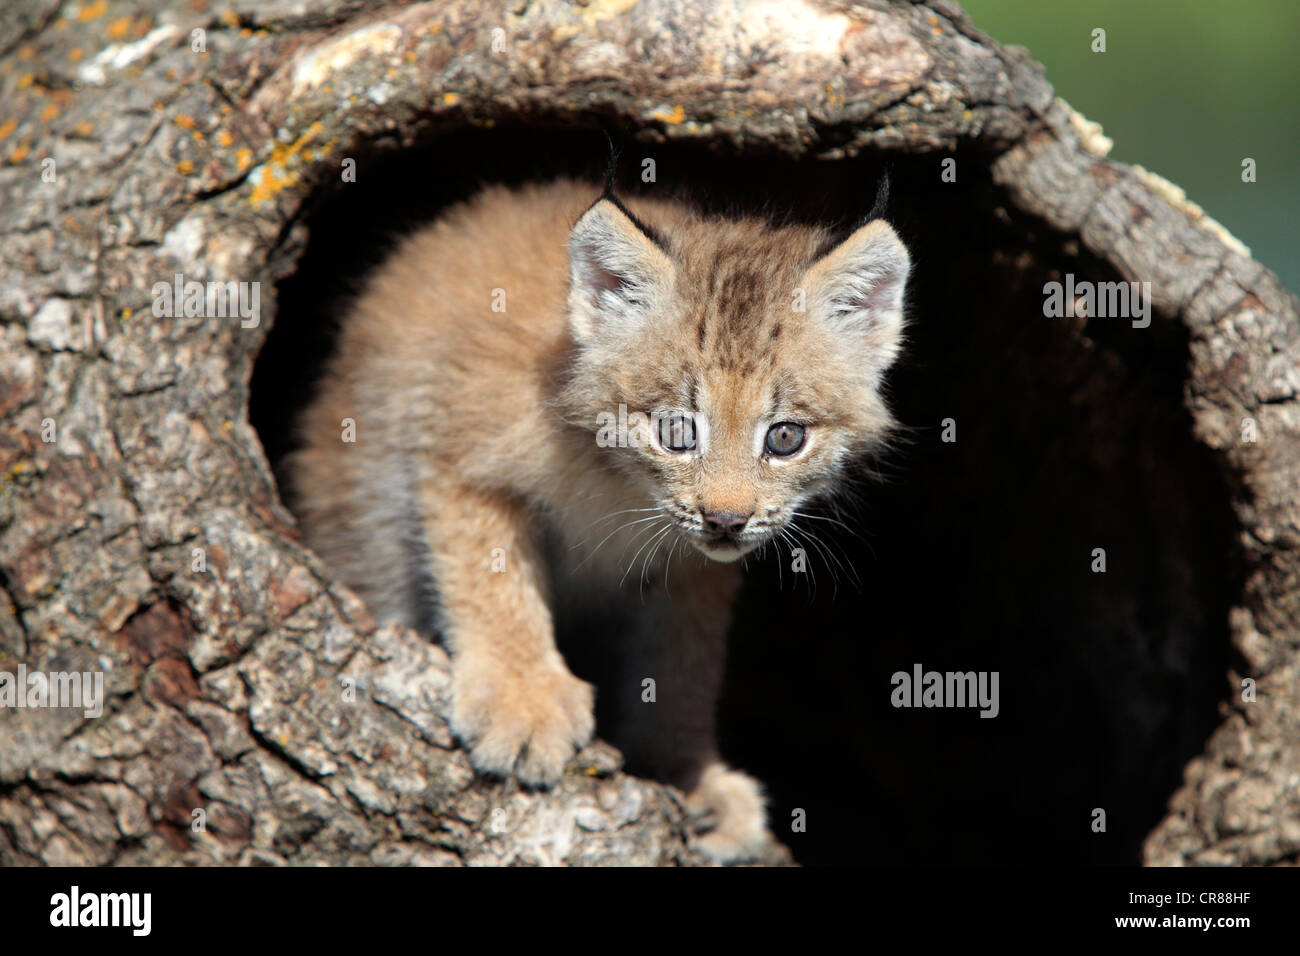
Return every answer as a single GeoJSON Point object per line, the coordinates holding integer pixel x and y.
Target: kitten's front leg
{"type": "Point", "coordinates": [514, 701]}
{"type": "Point", "coordinates": [680, 642]}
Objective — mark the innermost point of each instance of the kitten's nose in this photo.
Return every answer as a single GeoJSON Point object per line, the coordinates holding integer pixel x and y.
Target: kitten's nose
{"type": "Point", "coordinates": [726, 522]}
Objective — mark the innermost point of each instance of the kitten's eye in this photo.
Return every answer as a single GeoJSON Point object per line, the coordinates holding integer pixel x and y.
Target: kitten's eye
{"type": "Point", "coordinates": [785, 438]}
{"type": "Point", "coordinates": [677, 432]}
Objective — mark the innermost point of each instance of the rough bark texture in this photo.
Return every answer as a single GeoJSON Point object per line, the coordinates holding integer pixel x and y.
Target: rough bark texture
{"type": "Point", "coordinates": [227, 685]}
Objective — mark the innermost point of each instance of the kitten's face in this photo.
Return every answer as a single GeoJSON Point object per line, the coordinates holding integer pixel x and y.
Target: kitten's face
{"type": "Point", "coordinates": [747, 361]}
{"type": "Point", "coordinates": [734, 466]}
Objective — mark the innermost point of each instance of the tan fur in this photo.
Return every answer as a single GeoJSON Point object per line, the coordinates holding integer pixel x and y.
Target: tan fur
{"type": "Point", "coordinates": [476, 430]}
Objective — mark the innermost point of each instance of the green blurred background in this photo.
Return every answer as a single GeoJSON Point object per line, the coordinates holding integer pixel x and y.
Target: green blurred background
{"type": "Point", "coordinates": [1186, 88]}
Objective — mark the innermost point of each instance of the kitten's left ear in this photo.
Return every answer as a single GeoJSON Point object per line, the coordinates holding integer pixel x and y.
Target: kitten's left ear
{"type": "Point", "coordinates": [618, 271]}
{"type": "Point", "coordinates": [858, 287]}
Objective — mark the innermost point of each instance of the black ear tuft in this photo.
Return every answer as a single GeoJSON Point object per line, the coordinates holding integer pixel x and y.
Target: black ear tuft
{"type": "Point", "coordinates": [842, 232]}
{"type": "Point", "coordinates": [611, 166]}
{"type": "Point", "coordinates": [611, 176]}
{"type": "Point", "coordinates": [882, 200]}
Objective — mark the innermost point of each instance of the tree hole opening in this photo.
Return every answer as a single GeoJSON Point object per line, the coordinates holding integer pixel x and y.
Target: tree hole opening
{"type": "Point", "coordinates": [974, 554]}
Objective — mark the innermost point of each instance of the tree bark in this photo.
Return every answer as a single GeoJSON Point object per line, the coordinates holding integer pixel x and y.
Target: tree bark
{"type": "Point", "coordinates": [147, 540]}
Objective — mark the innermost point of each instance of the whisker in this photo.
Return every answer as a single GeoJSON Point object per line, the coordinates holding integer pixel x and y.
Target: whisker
{"type": "Point", "coordinates": [780, 580]}
{"type": "Point", "coordinates": [652, 538]}
{"type": "Point", "coordinates": [669, 563]}
{"type": "Point", "coordinates": [788, 534]}
{"type": "Point", "coordinates": [622, 527]}
{"type": "Point", "coordinates": [831, 563]}
{"type": "Point", "coordinates": [828, 551]}
{"type": "Point", "coordinates": [645, 564]}
{"type": "Point", "coordinates": [844, 561]}
{"type": "Point", "coordinates": [612, 514]}
{"type": "Point", "coordinates": [652, 530]}
{"type": "Point", "coordinates": [835, 521]}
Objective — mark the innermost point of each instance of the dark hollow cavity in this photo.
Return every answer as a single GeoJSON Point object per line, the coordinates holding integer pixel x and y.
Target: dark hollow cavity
{"type": "Point", "coordinates": [972, 555]}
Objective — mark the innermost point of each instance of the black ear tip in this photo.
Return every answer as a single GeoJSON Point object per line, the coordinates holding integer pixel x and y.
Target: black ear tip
{"type": "Point", "coordinates": [647, 230]}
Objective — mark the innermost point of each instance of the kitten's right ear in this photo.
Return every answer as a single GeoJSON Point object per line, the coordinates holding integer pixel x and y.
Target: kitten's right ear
{"type": "Point", "coordinates": [857, 288]}
{"type": "Point", "coordinates": [618, 271]}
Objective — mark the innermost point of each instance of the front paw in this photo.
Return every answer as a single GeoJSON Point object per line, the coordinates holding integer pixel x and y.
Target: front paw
{"type": "Point", "coordinates": [528, 724]}
{"type": "Point", "coordinates": [728, 815]}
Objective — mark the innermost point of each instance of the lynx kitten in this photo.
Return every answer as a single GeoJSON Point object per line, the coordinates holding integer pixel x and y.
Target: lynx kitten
{"type": "Point", "coordinates": [561, 403]}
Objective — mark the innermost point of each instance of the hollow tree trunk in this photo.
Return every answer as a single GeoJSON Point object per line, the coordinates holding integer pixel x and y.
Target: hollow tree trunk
{"type": "Point", "coordinates": [140, 529]}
